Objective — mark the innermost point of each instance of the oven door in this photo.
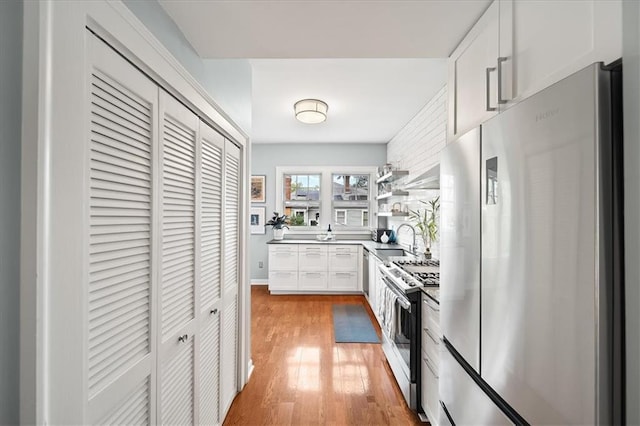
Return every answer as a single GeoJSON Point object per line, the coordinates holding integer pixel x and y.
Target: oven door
{"type": "Point", "coordinates": [400, 345]}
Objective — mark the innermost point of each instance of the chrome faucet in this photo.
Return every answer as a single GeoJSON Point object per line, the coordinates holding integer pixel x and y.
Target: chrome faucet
{"type": "Point", "coordinates": [412, 248]}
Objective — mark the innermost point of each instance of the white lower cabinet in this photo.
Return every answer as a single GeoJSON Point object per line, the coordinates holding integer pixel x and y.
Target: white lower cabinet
{"type": "Point", "coordinates": [346, 281]}
{"type": "Point", "coordinates": [430, 359]}
{"type": "Point", "coordinates": [314, 268]}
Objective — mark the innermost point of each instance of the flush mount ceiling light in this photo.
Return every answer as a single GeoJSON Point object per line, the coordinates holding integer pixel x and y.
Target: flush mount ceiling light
{"type": "Point", "coordinates": [311, 111]}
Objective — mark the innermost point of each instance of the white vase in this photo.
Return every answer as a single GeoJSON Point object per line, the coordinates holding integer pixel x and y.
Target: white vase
{"type": "Point", "coordinates": [278, 234]}
{"type": "Point", "coordinates": [384, 238]}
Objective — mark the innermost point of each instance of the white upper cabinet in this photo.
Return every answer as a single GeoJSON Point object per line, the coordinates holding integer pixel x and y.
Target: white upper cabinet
{"type": "Point", "coordinates": [548, 41]}
{"type": "Point", "coordinates": [519, 47]}
{"type": "Point", "coordinates": [473, 75]}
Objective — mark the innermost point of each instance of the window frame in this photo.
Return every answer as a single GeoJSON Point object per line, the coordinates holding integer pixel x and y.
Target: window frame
{"type": "Point", "coordinates": [326, 196]}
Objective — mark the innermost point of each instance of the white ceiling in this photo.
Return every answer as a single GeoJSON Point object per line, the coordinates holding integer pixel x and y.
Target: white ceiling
{"type": "Point", "coordinates": [369, 99]}
{"type": "Point", "coordinates": [369, 60]}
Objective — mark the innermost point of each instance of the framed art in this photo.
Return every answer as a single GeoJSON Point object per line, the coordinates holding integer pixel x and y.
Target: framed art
{"type": "Point", "coordinates": [257, 220]}
{"type": "Point", "coordinates": [258, 188]}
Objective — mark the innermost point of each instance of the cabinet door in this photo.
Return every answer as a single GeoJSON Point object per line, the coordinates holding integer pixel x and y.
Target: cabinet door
{"type": "Point", "coordinates": [178, 291]}
{"type": "Point", "coordinates": [312, 280]}
{"type": "Point", "coordinates": [551, 40]}
{"type": "Point", "coordinates": [312, 258]}
{"type": "Point", "coordinates": [283, 257]}
{"type": "Point", "coordinates": [473, 76]}
{"type": "Point", "coordinates": [343, 258]}
{"type": "Point", "coordinates": [344, 281]}
{"type": "Point", "coordinates": [123, 108]}
{"type": "Point", "coordinates": [283, 280]}
{"type": "Point", "coordinates": [229, 354]}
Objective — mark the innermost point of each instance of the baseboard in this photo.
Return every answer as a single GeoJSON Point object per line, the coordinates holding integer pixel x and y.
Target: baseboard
{"type": "Point", "coordinates": [260, 281]}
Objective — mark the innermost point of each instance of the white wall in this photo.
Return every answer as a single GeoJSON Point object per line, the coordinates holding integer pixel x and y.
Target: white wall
{"type": "Point", "coordinates": [631, 84]}
{"type": "Point", "coordinates": [266, 157]}
{"type": "Point", "coordinates": [417, 148]}
{"type": "Point", "coordinates": [228, 81]}
{"type": "Point", "coordinates": [10, 151]}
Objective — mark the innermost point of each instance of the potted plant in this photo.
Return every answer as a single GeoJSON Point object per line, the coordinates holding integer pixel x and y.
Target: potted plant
{"type": "Point", "coordinates": [427, 223]}
{"type": "Point", "coordinates": [278, 223]}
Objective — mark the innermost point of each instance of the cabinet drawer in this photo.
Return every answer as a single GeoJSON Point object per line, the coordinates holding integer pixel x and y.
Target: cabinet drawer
{"type": "Point", "coordinates": [430, 396]}
{"type": "Point", "coordinates": [283, 280]}
{"type": "Point", "coordinates": [343, 259]}
{"type": "Point", "coordinates": [343, 249]}
{"type": "Point", "coordinates": [431, 346]}
{"type": "Point", "coordinates": [431, 315]}
{"type": "Point", "coordinates": [312, 280]}
{"type": "Point", "coordinates": [312, 258]}
{"type": "Point", "coordinates": [283, 258]}
{"type": "Point", "coordinates": [343, 281]}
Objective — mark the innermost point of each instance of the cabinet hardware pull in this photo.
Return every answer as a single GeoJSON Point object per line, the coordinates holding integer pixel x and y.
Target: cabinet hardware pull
{"type": "Point", "coordinates": [488, 88]}
{"type": "Point", "coordinates": [183, 338]}
{"type": "Point", "coordinates": [431, 335]}
{"type": "Point", "coordinates": [214, 311]}
{"type": "Point", "coordinates": [426, 361]}
{"type": "Point", "coordinates": [501, 60]}
{"type": "Point", "coordinates": [429, 305]}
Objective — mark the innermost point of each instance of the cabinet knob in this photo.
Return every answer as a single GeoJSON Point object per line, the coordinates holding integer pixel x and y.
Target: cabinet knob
{"type": "Point", "coordinates": [214, 311]}
{"type": "Point", "coordinates": [183, 338]}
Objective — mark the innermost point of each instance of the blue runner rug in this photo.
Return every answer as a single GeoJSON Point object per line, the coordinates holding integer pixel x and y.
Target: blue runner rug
{"type": "Point", "coordinates": [352, 324]}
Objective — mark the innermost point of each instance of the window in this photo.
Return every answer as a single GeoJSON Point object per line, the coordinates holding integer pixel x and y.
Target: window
{"type": "Point", "coordinates": [314, 197]}
{"type": "Point", "coordinates": [350, 200]}
{"type": "Point", "coordinates": [301, 194]}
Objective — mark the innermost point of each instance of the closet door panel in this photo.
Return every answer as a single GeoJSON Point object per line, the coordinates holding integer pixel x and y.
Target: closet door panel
{"type": "Point", "coordinates": [229, 355]}
{"type": "Point", "coordinates": [122, 114]}
{"type": "Point", "coordinates": [179, 269]}
{"type": "Point", "coordinates": [210, 369]}
{"type": "Point", "coordinates": [178, 165]}
{"type": "Point", "coordinates": [212, 145]}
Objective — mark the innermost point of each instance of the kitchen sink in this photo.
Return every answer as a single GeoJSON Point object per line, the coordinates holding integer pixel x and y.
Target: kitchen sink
{"type": "Point", "coordinates": [386, 252]}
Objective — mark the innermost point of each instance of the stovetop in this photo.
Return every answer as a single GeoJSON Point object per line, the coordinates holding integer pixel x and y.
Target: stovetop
{"type": "Point", "coordinates": [425, 272]}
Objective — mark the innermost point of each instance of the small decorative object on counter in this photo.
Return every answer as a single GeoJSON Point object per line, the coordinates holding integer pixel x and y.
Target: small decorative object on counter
{"type": "Point", "coordinates": [392, 234]}
{"type": "Point", "coordinates": [427, 223]}
{"type": "Point", "coordinates": [384, 238]}
{"type": "Point", "coordinates": [329, 235]}
{"type": "Point", "coordinates": [278, 223]}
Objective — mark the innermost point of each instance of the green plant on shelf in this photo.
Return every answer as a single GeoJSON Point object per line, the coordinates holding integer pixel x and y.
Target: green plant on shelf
{"type": "Point", "coordinates": [427, 221]}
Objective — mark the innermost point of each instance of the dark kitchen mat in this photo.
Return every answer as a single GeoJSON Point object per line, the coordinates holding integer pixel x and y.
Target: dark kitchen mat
{"type": "Point", "coordinates": [352, 324]}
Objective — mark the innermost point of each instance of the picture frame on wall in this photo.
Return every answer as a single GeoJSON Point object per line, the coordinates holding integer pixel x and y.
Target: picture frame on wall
{"type": "Point", "coordinates": [257, 220]}
{"type": "Point", "coordinates": [258, 188]}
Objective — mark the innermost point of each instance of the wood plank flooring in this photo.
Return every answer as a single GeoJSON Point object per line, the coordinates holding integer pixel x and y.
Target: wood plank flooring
{"type": "Point", "coordinates": [303, 377]}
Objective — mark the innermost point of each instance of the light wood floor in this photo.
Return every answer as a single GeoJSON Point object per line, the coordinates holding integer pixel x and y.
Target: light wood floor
{"type": "Point", "coordinates": [302, 376]}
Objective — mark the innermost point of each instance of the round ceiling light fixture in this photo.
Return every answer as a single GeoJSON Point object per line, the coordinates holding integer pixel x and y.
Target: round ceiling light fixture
{"type": "Point", "coordinates": [311, 111]}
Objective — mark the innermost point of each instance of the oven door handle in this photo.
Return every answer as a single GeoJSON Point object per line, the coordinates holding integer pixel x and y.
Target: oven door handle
{"type": "Point", "coordinates": [402, 300]}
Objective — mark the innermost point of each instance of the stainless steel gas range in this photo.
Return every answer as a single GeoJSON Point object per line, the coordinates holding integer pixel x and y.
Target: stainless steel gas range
{"type": "Point", "coordinates": [400, 293]}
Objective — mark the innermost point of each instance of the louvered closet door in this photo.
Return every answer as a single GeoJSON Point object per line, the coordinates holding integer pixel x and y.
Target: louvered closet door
{"type": "Point", "coordinates": [229, 366]}
{"type": "Point", "coordinates": [212, 155]}
{"type": "Point", "coordinates": [120, 343]}
{"type": "Point", "coordinates": [178, 270]}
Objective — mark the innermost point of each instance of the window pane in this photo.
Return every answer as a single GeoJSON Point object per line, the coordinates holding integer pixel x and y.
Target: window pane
{"type": "Point", "coordinates": [302, 199]}
{"type": "Point", "coordinates": [350, 198]}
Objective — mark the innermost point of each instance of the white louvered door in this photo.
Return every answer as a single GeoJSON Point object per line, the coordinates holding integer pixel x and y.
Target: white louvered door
{"type": "Point", "coordinates": [179, 270]}
{"type": "Point", "coordinates": [212, 154]}
{"type": "Point", "coordinates": [120, 342]}
{"type": "Point", "coordinates": [163, 254]}
{"type": "Point", "coordinates": [229, 355]}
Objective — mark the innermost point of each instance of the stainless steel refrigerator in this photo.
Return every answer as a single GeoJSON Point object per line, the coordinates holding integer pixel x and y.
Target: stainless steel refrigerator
{"type": "Point", "coordinates": [531, 261]}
